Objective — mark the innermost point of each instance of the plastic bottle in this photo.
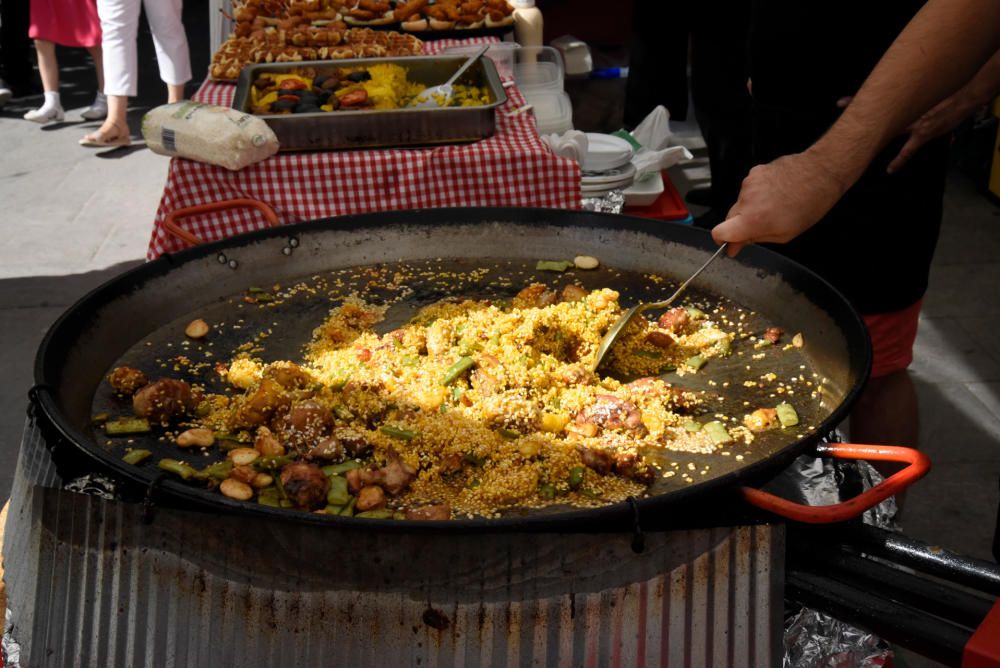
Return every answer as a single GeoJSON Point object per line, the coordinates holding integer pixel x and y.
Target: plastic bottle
{"type": "Point", "coordinates": [527, 23]}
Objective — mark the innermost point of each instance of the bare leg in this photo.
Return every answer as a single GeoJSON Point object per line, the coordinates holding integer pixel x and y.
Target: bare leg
{"type": "Point", "coordinates": [115, 125]}
{"type": "Point", "coordinates": [97, 54]}
{"type": "Point", "coordinates": [886, 414]}
{"type": "Point", "coordinates": [48, 66]}
{"type": "Point", "coordinates": [175, 92]}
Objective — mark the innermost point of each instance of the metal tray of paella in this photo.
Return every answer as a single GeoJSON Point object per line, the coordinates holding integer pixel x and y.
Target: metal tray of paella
{"type": "Point", "coordinates": [361, 103]}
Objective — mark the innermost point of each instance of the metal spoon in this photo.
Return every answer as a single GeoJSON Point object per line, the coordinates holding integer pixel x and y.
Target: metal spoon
{"type": "Point", "coordinates": [626, 318]}
{"type": "Point", "coordinates": [440, 96]}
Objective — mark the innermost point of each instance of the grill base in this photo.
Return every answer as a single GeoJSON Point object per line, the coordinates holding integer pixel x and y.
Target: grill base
{"type": "Point", "coordinates": [91, 585]}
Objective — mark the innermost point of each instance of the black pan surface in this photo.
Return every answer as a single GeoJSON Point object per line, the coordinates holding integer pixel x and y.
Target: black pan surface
{"type": "Point", "coordinates": [456, 252]}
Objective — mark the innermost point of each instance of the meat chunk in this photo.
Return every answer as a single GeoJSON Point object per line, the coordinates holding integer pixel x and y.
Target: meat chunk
{"type": "Point", "coordinates": [573, 293]}
{"type": "Point", "coordinates": [370, 498]}
{"type": "Point", "coordinates": [397, 476]}
{"type": "Point", "coordinates": [773, 334]}
{"type": "Point", "coordinates": [329, 449]}
{"type": "Point", "coordinates": [126, 380]}
{"type": "Point", "coordinates": [306, 424]}
{"type": "Point", "coordinates": [265, 401]}
{"type": "Point", "coordinates": [164, 400]}
{"type": "Point", "coordinates": [596, 460]}
{"type": "Point", "coordinates": [630, 465]}
{"type": "Point", "coordinates": [675, 320]}
{"type": "Point", "coordinates": [661, 340]}
{"type": "Point", "coordinates": [437, 512]}
{"type": "Point", "coordinates": [305, 485]}
{"type": "Point", "coordinates": [612, 412]}
{"type": "Point", "coordinates": [761, 419]}
{"type": "Point", "coordinates": [289, 375]}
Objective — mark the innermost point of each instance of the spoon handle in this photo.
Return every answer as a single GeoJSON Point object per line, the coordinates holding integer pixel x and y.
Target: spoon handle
{"type": "Point", "coordinates": [683, 286]}
{"type": "Point", "coordinates": [467, 64]}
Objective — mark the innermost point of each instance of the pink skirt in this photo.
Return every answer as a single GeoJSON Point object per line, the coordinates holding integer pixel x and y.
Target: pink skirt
{"type": "Point", "coordinates": [65, 22]}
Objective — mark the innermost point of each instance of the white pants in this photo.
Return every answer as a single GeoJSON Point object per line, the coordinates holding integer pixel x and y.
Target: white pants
{"type": "Point", "coordinates": [120, 26]}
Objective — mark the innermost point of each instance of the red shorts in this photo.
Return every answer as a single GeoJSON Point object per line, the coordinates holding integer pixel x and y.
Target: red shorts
{"type": "Point", "coordinates": [892, 337]}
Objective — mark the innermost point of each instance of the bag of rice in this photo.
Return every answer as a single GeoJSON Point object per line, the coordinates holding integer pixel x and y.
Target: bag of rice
{"type": "Point", "coordinates": [207, 133]}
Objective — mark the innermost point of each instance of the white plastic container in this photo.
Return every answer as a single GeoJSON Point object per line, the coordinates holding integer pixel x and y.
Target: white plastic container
{"type": "Point", "coordinates": [501, 53]}
{"type": "Point", "coordinates": [553, 111]}
{"type": "Point", "coordinates": [538, 69]}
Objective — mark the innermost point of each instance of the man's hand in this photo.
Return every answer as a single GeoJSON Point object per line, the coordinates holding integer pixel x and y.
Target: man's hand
{"type": "Point", "coordinates": [779, 201]}
{"type": "Point", "coordinates": [943, 118]}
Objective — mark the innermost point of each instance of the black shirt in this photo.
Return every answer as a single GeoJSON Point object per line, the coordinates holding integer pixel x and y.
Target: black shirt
{"type": "Point", "coordinates": [876, 244]}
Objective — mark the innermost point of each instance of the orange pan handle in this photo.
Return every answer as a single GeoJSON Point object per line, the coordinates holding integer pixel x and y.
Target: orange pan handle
{"type": "Point", "coordinates": [170, 221]}
{"type": "Point", "coordinates": [919, 465]}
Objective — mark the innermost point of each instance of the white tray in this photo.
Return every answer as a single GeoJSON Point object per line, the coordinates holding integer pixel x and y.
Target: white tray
{"type": "Point", "coordinates": [645, 192]}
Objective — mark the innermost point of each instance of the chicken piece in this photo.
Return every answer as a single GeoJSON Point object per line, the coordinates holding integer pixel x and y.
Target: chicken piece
{"type": "Point", "coordinates": [266, 400]}
{"type": "Point", "coordinates": [305, 424]}
{"type": "Point", "coordinates": [761, 419]}
{"type": "Point", "coordinates": [675, 320]}
{"type": "Point", "coordinates": [773, 334]}
{"type": "Point", "coordinates": [397, 476]}
{"type": "Point", "coordinates": [612, 412]}
{"type": "Point", "coordinates": [370, 498]}
{"type": "Point", "coordinates": [329, 449]}
{"type": "Point", "coordinates": [572, 293]}
{"type": "Point", "coordinates": [305, 485]}
{"type": "Point", "coordinates": [596, 460]}
{"type": "Point", "coordinates": [289, 375]}
{"type": "Point", "coordinates": [126, 380]}
{"type": "Point", "coordinates": [165, 399]}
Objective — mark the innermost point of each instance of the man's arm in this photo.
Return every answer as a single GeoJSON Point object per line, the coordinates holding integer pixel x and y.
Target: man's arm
{"type": "Point", "coordinates": [941, 48]}
{"type": "Point", "coordinates": [951, 111]}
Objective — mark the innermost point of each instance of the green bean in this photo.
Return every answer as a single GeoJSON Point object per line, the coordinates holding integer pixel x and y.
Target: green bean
{"type": "Point", "coordinates": [787, 415]}
{"type": "Point", "coordinates": [338, 494]}
{"type": "Point", "coordinates": [717, 432]}
{"type": "Point", "coordinates": [473, 459]}
{"type": "Point", "coordinates": [553, 265]}
{"type": "Point", "coordinates": [575, 477]}
{"type": "Point", "coordinates": [547, 491]}
{"type": "Point", "coordinates": [129, 425]}
{"type": "Point", "coordinates": [343, 413]}
{"type": "Point", "coordinates": [692, 426]}
{"type": "Point", "coordinates": [344, 467]}
{"type": "Point", "coordinates": [272, 463]}
{"type": "Point", "coordinates": [349, 508]}
{"type": "Point", "coordinates": [185, 471]}
{"type": "Point", "coordinates": [269, 496]}
{"type": "Point", "coordinates": [724, 346]}
{"type": "Point", "coordinates": [695, 362]}
{"type": "Point", "coordinates": [397, 432]}
{"type": "Point", "coordinates": [650, 354]}
{"type": "Point", "coordinates": [255, 291]}
{"type": "Point", "coordinates": [217, 471]}
{"type": "Point", "coordinates": [333, 510]}
{"type": "Point", "coordinates": [457, 369]}
{"type": "Point", "coordinates": [136, 456]}
{"type": "Point", "coordinates": [380, 514]}
{"type": "Point", "coordinates": [285, 503]}
{"type": "Point", "coordinates": [100, 418]}
{"type": "Point", "coordinates": [509, 434]}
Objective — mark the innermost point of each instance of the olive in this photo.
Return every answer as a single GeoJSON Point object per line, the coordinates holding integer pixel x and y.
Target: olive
{"type": "Point", "coordinates": [358, 77]}
{"type": "Point", "coordinates": [296, 93]}
{"type": "Point", "coordinates": [324, 95]}
{"type": "Point", "coordinates": [262, 82]}
{"type": "Point", "coordinates": [309, 98]}
{"type": "Point", "coordinates": [330, 83]}
{"type": "Point", "coordinates": [306, 109]}
{"type": "Point", "coordinates": [334, 102]}
{"type": "Point", "coordinates": [319, 79]}
{"type": "Point", "coordinates": [283, 105]}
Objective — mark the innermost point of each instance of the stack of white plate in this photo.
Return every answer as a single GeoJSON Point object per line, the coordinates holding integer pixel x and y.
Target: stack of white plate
{"type": "Point", "coordinates": [606, 166]}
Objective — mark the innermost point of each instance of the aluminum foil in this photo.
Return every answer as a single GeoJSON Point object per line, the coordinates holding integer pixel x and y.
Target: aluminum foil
{"type": "Point", "coordinates": [611, 202]}
{"type": "Point", "coordinates": [814, 639]}
{"type": "Point", "coordinates": [94, 485]}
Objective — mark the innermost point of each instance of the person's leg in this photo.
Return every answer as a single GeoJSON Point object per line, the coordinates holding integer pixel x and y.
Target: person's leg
{"type": "Point", "coordinates": [48, 68]}
{"type": "Point", "coordinates": [98, 109]}
{"type": "Point", "coordinates": [119, 27]}
{"type": "Point", "coordinates": [886, 412]}
{"type": "Point", "coordinates": [170, 40]}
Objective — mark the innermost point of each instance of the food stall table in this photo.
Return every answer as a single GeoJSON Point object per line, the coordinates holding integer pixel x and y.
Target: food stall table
{"type": "Point", "coordinates": [511, 168]}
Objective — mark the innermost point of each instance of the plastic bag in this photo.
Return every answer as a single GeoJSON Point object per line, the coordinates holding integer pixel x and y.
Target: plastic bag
{"type": "Point", "coordinates": [208, 133]}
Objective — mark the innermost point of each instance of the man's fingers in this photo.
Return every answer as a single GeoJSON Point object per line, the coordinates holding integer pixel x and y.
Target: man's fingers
{"type": "Point", "coordinates": [909, 148]}
{"type": "Point", "coordinates": [735, 230]}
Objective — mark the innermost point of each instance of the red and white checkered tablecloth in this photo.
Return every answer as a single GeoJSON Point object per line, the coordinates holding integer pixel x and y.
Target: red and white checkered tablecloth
{"type": "Point", "coordinates": [511, 168]}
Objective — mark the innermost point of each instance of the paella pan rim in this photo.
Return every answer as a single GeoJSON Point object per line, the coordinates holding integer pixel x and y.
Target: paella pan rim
{"type": "Point", "coordinates": [62, 334]}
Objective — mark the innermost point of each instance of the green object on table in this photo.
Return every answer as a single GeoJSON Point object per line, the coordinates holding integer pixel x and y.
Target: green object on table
{"type": "Point", "coordinates": [786, 415]}
{"type": "Point", "coordinates": [128, 425]}
{"type": "Point", "coordinates": [136, 456]}
{"type": "Point", "coordinates": [337, 469]}
{"type": "Point", "coordinates": [457, 369]}
{"type": "Point", "coordinates": [717, 432]}
{"type": "Point", "coordinates": [553, 265]}
{"type": "Point", "coordinates": [695, 362]}
{"type": "Point", "coordinates": [397, 432]}
{"type": "Point", "coordinates": [338, 494]}
{"type": "Point", "coordinates": [185, 471]}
